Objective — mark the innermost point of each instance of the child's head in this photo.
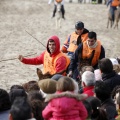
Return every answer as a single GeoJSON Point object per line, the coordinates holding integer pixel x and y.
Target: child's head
{"type": "Point", "coordinates": [65, 84]}
{"type": "Point", "coordinates": [97, 112]}
{"type": "Point", "coordinates": [87, 68]}
{"type": "Point", "coordinates": [88, 108]}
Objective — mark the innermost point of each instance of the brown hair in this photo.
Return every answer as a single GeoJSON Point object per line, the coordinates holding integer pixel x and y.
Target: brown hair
{"type": "Point", "coordinates": [65, 84]}
{"type": "Point", "coordinates": [86, 68]}
{"type": "Point", "coordinates": [116, 68]}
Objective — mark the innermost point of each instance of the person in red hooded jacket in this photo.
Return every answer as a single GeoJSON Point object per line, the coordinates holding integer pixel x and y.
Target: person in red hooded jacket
{"type": "Point", "coordinates": [54, 61]}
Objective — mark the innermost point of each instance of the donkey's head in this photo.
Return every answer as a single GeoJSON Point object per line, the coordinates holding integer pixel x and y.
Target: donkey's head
{"type": "Point", "coordinates": [43, 76]}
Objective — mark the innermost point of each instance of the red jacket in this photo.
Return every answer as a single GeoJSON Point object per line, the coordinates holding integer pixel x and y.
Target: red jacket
{"type": "Point", "coordinates": [62, 107]}
{"type": "Point", "coordinates": [60, 63]}
{"type": "Point", "coordinates": [89, 91]}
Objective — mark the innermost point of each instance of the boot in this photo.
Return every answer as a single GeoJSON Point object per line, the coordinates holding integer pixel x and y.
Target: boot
{"type": "Point", "coordinates": [54, 11]}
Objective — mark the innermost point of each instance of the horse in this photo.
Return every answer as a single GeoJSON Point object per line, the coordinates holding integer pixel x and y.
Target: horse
{"type": "Point", "coordinates": [58, 15]}
{"type": "Point", "coordinates": [116, 17]}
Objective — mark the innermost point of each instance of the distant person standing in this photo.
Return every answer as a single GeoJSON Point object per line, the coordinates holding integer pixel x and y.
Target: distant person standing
{"type": "Point", "coordinates": [55, 7]}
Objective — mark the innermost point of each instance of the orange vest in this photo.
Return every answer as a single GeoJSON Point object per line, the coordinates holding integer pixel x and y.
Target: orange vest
{"type": "Point", "coordinates": [115, 3]}
{"type": "Point", "coordinates": [86, 52]}
{"type": "Point", "coordinates": [50, 62]}
{"type": "Point", "coordinates": [73, 41]}
{"type": "Point", "coordinates": [58, 1]}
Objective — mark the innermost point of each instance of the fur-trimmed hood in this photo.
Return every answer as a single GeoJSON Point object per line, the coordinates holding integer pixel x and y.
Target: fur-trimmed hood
{"type": "Point", "coordinates": [65, 94]}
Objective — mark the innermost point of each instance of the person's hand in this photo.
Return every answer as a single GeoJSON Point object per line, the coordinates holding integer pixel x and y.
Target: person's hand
{"type": "Point", "coordinates": [70, 74]}
{"type": "Point", "coordinates": [20, 57]}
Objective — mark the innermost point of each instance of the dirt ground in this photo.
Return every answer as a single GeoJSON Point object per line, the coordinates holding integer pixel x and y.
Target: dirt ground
{"type": "Point", "coordinates": [34, 16]}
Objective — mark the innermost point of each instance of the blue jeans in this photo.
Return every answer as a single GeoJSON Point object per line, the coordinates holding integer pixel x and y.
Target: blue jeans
{"type": "Point", "coordinates": [112, 10]}
{"type": "Point", "coordinates": [56, 77]}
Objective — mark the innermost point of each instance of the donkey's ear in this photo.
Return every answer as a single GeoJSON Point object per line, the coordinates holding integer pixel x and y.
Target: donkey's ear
{"type": "Point", "coordinates": [39, 73]}
{"type": "Point", "coordinates": [39, 70]}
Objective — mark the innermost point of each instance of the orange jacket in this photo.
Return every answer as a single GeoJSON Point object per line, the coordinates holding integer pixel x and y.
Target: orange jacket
{"type": "Point", "coordinates": [50, 62]}
{"type": "Point", "coordinates": [72, 45]}
{"type": "Point", "coordinates": [86, 53]}
{"type": "Point", "coordinates": [115, 3]}
{"type": "Point", "coordinates": [58, 1]}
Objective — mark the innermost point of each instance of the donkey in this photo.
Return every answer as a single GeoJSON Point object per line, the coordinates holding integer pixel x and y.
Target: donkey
{"type": "Point", "coordinates": [42, 76]}
{"type": "Point", "coordinates": [117, 17]}
{"type": "Point", "coordinates": [58, 15]}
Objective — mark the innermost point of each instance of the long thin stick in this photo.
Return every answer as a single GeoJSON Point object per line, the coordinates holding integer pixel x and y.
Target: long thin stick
{"type": "Point", "coordinates": [36, 39]}
{"type": "Point", "coordinates": [17, 57]}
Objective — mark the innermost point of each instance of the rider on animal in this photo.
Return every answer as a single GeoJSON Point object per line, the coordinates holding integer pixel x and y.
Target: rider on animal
{"type": "Point", "coordinates": [55, 7]}
{"type": "Point", "coordinates": [113, 6]}
{"type": "Point", "coordinates": [53, 60]}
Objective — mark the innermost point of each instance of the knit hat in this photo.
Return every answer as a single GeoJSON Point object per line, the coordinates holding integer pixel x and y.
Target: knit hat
{"type": "Point", "coordinates": [47, 85]}
{"type": "Point", "coordinates": [114, 61]}
{"type": "Point", "coordinates": [88, 78]}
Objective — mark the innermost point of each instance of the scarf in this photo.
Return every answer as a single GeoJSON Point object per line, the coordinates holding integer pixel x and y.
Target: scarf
{"type": "Point", "coordinates": [93, 46]}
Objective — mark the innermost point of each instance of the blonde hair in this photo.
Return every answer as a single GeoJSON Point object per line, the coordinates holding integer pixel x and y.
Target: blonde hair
{"type": "Point", "coordinates": [65, 84]}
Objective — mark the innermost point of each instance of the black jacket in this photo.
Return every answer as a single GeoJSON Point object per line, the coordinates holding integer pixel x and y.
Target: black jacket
{"type": "Point", "coordinates": [74, 60]}
{"type": "Point", "coordinates": [112, 79]}
{"type": "Point", "coordinates": [109, 106]}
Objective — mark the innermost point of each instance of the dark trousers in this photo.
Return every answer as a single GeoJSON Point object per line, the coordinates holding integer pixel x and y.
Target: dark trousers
{"type": "Point", "coordinates": [62, 10]}
{"type": "Point", "coordinates": [112, 10]}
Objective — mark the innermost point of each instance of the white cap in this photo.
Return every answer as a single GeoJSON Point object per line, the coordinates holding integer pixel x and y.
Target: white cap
{"type": "Point", "coordinates": [114, 61]}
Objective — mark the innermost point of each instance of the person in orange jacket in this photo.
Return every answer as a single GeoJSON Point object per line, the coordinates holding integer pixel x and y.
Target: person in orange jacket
{"type": "Point", "coordinates": [73, 40]}
{"type": "Point", "coordinates": [54, 61]}
{"type": "Point", "coordinates": [90, 51]}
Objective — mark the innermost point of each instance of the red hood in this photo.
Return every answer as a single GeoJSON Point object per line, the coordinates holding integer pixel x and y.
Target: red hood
{"type": "Point", "coordinates": [57, 42]}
